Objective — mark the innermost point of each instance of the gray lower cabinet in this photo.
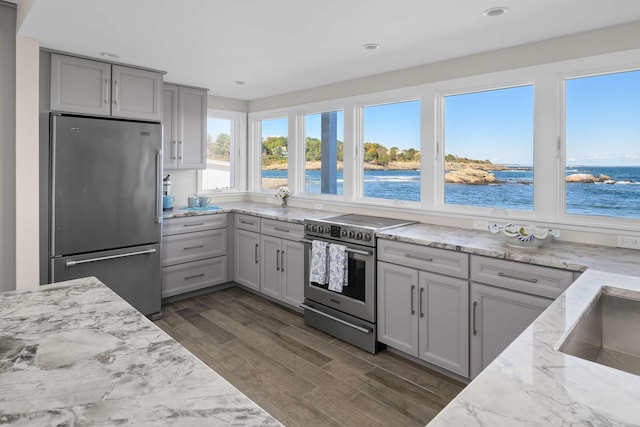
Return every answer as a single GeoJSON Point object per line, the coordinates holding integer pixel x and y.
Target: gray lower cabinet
{"type": "Point", "coordinates": [194, 253]}
{"type": "Point", "coordinates": [184, 117]}
{"type": "Point", "coordinates": [283, 269]}
{"type": "Point", "coordinates": [498, 316]}
{"type": "Point", "coordinates": [246, 259]}
{"type": "Point", "coordinates": [506, 297]}
{"type": "Point", "coordinates": [86, 86]}
{"type": "Point", "coordinates": [420, 312]}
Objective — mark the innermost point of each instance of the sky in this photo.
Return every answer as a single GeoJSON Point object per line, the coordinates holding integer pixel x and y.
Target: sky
{"type": "Point", "coordinates": [602, 129]}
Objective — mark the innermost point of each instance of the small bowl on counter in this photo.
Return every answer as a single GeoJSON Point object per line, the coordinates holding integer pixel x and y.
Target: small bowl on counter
{"type": "Point", "coordinates": [524, 236]}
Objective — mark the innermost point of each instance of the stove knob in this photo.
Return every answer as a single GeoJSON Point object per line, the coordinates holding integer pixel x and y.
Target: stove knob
{"type": "Point", "coordinates": [344, 233]}
{"type": "Point", "coordinates": [314, 228]}
{"type": "Point", "coordinates": [359, 236]}
{"type": "Point", "coordinates": [352, 235]}
{"type": "Point", "coordinates": [367, 237]}
{"type": "Point", "coordinates": [308, 227]}
{"type": "Point", "coordinates": [322, 229]}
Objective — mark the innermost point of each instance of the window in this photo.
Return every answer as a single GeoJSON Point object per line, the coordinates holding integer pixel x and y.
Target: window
{"type": "Point", "coordinates": [603, 145]}
{"type": "Point", "coordinates": [275, 153]}
{"type": "Point", "coordinates": [489, 148]}
{"type": "Point", "coordinates": [324, 135]}
{"type": "Point", "coordinates": [218, 172]}
{"type": "Point", "coordinates": [392, 151]}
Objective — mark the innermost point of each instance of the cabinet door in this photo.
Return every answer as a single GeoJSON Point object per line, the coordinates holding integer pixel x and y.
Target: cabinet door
{"type": "Point", "coordinates": [80, 85]}
{"type": "Point", "coordinates": [170, 122]}
{"type": "Point", "coordinates": [292, 268]}
{"type": "Point", "coordinates": [398, 307]}
{"type": "Point", "coordinates": [498, 316]}
{"type": "Point", "coordinates": [444, 322]}
{"type": "Point", "coordinates": [137, 94]}
{"type": "Point", "coordinates": [270, 267]}
{"type": "Point", "coordinates": [246, 259]}
{"type": "Point", "coordinates": [192, 128]}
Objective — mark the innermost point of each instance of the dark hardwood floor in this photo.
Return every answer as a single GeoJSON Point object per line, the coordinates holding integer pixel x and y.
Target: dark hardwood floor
{"type": "Point", "coordinates": [302, 376]}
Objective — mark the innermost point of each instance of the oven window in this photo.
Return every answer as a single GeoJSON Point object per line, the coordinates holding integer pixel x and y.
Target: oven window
{"type": "Point", "coordinates": [356, 277]}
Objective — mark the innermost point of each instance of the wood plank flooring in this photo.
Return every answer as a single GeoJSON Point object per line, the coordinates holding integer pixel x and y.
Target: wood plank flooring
{"type": "Point", "coordinates": [298, 374]}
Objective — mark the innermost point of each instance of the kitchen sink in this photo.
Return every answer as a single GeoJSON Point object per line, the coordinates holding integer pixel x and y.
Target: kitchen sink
{"type": "Point", "coordinates": [608, 332]}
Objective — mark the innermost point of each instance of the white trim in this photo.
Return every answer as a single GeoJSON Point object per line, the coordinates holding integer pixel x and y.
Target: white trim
{"type": "Point", "coordinates": [548, 130]}
{"type": "Point", "coordinates": [238, 151]}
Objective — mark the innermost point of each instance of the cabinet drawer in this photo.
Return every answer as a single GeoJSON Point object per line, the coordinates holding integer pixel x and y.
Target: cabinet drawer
{"type": "Point", "coordinates": [282, 229]}
{"type": "Point", "coordinates": [187, 247]}
{"type": "Point", "coordinates": [533, 279]}
{"type": "Point", "coordinates": [247, 222]}
{"type": "Point", "coordinates": [193, 223]}
{"type": "Point", "coordinates": [195, 275]}
{"type": "Point", "coordinates": [441, 261]}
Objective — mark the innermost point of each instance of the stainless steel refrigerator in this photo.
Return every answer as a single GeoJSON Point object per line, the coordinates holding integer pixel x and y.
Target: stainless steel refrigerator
{"type": "Point", "coordinates": [106, 212]}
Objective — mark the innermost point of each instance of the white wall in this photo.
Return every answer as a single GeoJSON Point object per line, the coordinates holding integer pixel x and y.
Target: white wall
{"type": "Point", "coordinates": [612, 39]}
{"type": "Point", "coordinates": [27, 141]}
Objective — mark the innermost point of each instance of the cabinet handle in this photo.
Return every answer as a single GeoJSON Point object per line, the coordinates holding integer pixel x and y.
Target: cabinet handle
{"type": "Point", "coordinates": [195, 276]}
{"type": "Point", "coordinates": [413, 288]}
{"type": "Point", "coordinates": [181, 153]}
{"type": "Point", "coordinates": [475, 306]}
{"type": "Point", "coordinates": [417, 257]}
{"type": "Point", "coordinates": [281, 229]}
{"type": "Point", "coordinates": [282, 261]}
{"type": "Point", "coordinates": [193, 247]}
{"type": "Point", "coordinates": [256, 253]}
{"type": "Point", "coordinates": [106, 91]}
{"type": "Point", "coordinates": [420, 302]}
{"type": "Point", "coordinates": [116, 92]}
{"type": "Point", "coordinates": [193, 225]}
{"type": "Point", "coordinates": [277, 260]}
{"type": "Point", "coordinates": [174, 150]}
{"type": "Point", "coordinates": [246, 222]}
{"type": "Point", "coordinates": [516, 277]}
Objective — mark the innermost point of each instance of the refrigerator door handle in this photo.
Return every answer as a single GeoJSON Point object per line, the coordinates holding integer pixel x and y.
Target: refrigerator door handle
{"type": "Point", "coordinates": [158, 186]}
{"type": "Point", "coordinates": [104, 258]}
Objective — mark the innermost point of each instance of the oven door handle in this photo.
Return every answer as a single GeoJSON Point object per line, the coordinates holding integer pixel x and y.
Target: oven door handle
{"type": "Point", "coordinates": [353, 251]}
{"type": "Point", "coordinates": [357, 328]}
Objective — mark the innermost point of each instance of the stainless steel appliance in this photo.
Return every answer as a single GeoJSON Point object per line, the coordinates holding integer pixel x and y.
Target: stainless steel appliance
{"type": "Point", "coordinates": [106, 212]}
{"type": "Point", "coordinates": [351, 314]}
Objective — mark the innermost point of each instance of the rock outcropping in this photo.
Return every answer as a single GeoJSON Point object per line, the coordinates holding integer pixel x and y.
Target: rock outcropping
{"type": "Point", "coordinates": [587, 178]}
{"type": "Point", "coordinates": [469, 175]}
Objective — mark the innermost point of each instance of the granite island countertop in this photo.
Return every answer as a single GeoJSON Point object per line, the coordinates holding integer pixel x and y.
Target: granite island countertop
{"type": "Point", "coordinates": [533, 384]}
{"type": "Point", "coordinates": [75, 353]}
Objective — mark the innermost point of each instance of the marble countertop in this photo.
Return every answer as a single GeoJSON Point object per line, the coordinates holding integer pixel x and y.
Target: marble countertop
{"type": "Point", "coordinates": [558, 254]}
{"type": "Point", "coordinates": [77, 354]}
{"type": "Point", "coordinates": [533, 384]}
{"type": "Point", "coordinates": [289, 214]}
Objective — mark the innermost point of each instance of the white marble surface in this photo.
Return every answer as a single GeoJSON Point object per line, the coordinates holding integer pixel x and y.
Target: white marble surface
{"type": "Point", "coordinates": [533, 384]}
{"type": "Point", "coordinates": [558, 254]}
{"type": "Point", "coordinates": [77, 354]}
{"type": "Point", "coordinates": [289, 214]}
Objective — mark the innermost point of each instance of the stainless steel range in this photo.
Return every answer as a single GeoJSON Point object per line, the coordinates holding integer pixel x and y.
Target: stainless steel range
{"type": "Point", "coordinates": [349, 314]}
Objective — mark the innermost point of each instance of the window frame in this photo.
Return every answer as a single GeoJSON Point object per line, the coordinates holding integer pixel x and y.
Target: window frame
{"type": "Point", "coordinates": [238, 151]}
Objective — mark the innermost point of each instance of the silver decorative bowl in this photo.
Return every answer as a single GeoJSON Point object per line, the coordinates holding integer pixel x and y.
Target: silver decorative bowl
{"type": "Point", "coordinates": [524, 236]}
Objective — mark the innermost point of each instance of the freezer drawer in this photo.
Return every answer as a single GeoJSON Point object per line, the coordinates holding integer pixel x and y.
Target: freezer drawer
{"type": "Point", "coordinates": [133, 273]}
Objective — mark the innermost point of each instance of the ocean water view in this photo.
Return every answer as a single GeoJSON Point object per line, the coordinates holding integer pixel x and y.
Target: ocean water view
{"type": "Point", "coordinates": [515, 191]}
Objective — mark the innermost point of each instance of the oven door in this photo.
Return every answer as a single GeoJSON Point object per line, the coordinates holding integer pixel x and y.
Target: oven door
{"type": "Point", "coordinates": [359, 296]}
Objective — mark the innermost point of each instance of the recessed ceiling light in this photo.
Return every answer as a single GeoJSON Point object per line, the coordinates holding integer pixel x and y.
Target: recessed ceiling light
{"type": "Point", "coordinates": [495, 11]}
{"type": "Point", "coordinates": [109, 55]}
{"type": "Point", "coordinates": [371, 46]}
{"type": "Point", "coordinates": [238, 82]}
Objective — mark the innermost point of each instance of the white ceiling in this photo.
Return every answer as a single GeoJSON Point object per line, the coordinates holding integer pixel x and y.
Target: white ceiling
{"type": "Point", "coordinates": [279, 46]}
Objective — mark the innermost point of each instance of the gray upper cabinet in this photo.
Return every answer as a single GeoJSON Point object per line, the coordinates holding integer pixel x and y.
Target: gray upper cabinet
{"type": "Point", "coordinates": [137, 94]}
{"type": "Point", "coordinates": [85, 86]}
{"type": "Point", "coordinates": [80, 85]}
{"type": "Point", "coordinates": [185, 124]}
